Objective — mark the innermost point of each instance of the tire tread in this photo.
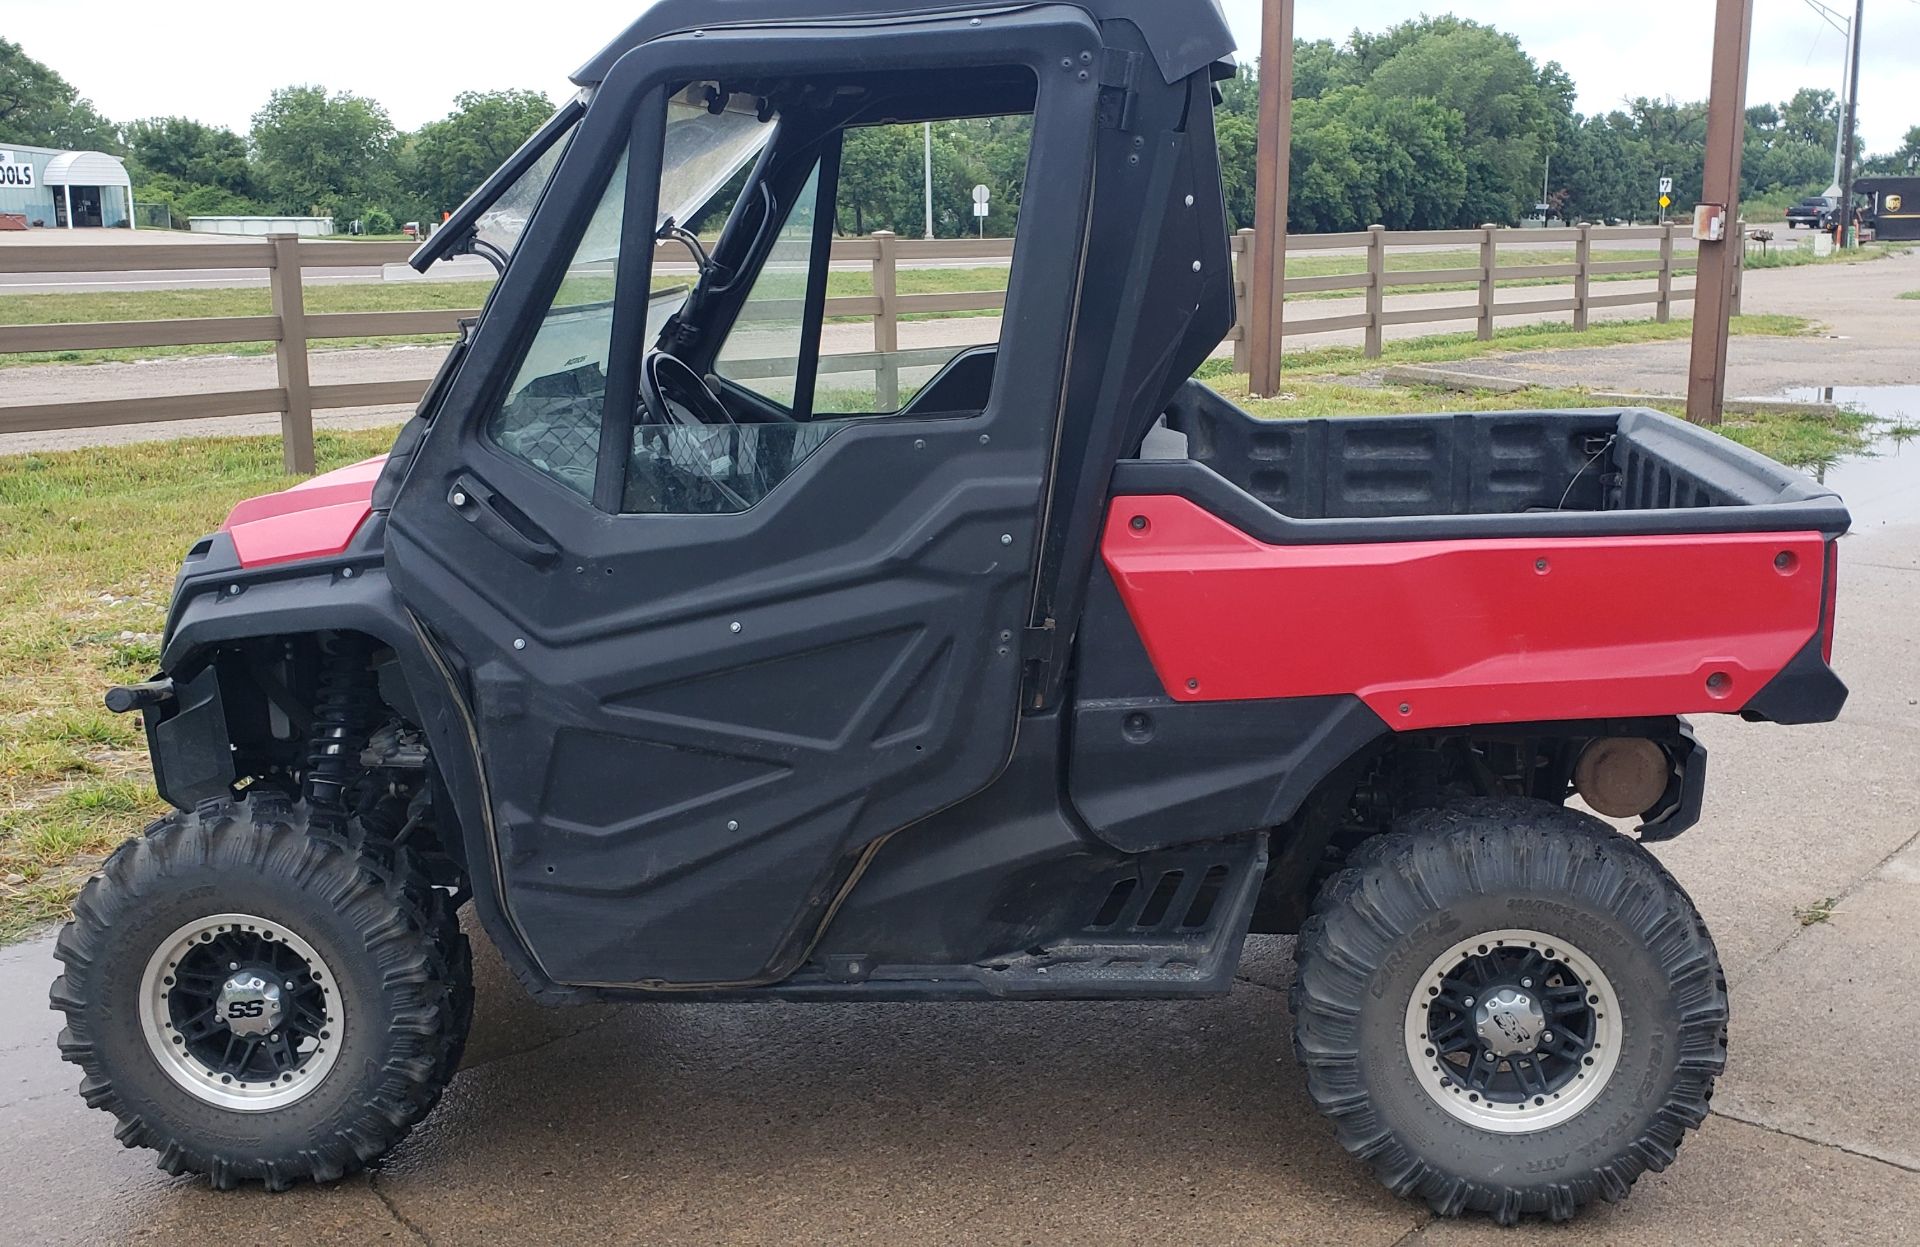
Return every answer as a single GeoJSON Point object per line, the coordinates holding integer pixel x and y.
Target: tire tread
{"type": "Point", "coordinates": [1496, 842]}
{"type": "Point", "coordinates": [410, 931]}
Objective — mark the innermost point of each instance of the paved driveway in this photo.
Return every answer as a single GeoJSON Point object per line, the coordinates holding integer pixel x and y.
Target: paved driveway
{"type": "Point", "coordinates": [1116, 1123]}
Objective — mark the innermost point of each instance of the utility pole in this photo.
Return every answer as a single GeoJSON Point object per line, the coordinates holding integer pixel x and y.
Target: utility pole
{"type": "Point", "coordinates": [929, 179]}
{"type": "Point", "coordinates": [1847, 238]}
{"type": "Point", "coordinates": [1719, 264]}
{"type": "Point", "coordinates": [1268, 272]}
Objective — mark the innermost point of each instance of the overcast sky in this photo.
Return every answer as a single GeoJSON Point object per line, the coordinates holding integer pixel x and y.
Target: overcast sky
{"type": "Point", "coordinates": [137, 58]}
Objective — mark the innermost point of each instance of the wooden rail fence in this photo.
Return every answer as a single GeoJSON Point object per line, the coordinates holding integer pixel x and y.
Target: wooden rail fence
{"type": "Point", "coordinates": [291, 327]}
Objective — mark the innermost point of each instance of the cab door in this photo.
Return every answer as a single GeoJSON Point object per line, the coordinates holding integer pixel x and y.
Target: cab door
{"type": "Point", "coordinates": [709, 669]}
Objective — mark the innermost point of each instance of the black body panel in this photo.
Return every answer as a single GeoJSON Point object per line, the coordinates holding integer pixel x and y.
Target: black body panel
{"type": "Point", "coordinates": [1689, 796]}
{"type": "Point", "coordinates": [697, 726]}
{"type": "Point", "coordinates": [1147, 772]}
{"type": "Point", "coordinates": [1806, 690]}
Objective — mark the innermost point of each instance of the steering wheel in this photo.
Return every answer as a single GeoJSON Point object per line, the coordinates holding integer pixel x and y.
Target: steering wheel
{"type": "Point", "coordinates": [673, 393]}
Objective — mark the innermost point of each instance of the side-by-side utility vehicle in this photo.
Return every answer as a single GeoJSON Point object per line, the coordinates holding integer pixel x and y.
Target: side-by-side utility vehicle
{"type": "Point", "coordinates": [715, 651]}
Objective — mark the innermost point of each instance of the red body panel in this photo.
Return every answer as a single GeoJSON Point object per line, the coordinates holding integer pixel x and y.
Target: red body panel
{"type": "Point", "coordinates": [313, 519]}
{"type": "Point", "coordinates": [1451, 633]}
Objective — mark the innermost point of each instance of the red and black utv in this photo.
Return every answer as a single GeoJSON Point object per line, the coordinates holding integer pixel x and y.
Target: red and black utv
{"type": "Point", "coordinates": [712, 661]}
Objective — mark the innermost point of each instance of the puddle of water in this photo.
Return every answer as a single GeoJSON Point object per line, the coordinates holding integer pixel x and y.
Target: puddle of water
{"type": "Point", "coordinates": [1882, 486]}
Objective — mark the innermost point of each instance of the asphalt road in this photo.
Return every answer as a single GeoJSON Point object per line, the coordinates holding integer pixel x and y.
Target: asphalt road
{"type": "Point", "coordinates": [1117, 1123]}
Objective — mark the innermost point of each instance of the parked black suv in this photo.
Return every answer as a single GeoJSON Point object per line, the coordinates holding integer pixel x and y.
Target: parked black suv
{"type": "Point", "coordinates": [1814, 212]}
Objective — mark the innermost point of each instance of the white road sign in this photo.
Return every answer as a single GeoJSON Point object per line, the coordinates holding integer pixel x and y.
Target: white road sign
{"type": "Point", "coordinates": [1666, 186]}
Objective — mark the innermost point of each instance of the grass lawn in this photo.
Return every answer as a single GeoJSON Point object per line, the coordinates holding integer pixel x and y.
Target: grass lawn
{"type": "Point", "coordinates": [90, 540]}
{"type": "Point", "coordinates": [1545, 336]}
{"type": "Point", "coordinates": [1802, 255]}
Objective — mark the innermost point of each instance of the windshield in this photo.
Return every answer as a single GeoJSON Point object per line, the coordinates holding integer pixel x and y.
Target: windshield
{"type": "Point", "coordinates": [501, 225]}
{"type": "Point", "coordinates": [704, 150]}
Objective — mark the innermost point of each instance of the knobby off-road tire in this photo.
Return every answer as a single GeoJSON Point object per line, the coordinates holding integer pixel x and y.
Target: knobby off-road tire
{"type": "Point", "coordinates": [395, 969]}
{"type": "Point", "coordinates": [1617, 926]}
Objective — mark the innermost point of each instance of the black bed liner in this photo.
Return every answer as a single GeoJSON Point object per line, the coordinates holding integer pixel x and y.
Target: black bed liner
{"type": "Point", "coordinates": [1583, 473]}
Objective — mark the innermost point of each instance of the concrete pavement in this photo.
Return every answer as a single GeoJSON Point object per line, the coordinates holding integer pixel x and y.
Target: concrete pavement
{"type": "Point", "coordinates": [1128, 1122]}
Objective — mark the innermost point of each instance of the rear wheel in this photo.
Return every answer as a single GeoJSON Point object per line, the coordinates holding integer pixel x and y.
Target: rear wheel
{"type": "Point", "coordinates": [1508, 1007]}
{"type": "Point", "coordinates": [258, 1002]}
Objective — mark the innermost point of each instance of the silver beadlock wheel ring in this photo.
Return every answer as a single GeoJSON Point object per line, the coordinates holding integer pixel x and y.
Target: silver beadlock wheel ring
{"type": "Point", "coordinates": [308, 1038]}
{"type": "Point", "coordinates": [1511, 1091]}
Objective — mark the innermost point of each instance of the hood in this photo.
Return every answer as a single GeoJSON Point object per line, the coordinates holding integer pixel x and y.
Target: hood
{"type": "Point", "coordinates": [314, 519]}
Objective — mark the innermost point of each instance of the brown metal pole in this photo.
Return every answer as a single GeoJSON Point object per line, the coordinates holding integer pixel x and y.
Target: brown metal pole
{"type": "Point", "coordinates": [1267, 273]}
{"type": "Point", "coordinates": [1718, 264]}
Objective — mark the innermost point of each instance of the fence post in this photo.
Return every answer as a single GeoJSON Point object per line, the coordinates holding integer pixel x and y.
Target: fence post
{"type": "Point", "coordinates": [1582, 279]}
{"type": "Point", "coordinates": [886, 322]}
{"type": "Point", "coordinates": [1489, 261]}
{"type": "Point", "coordinates": [1242, 275]}
{"type": "Point", "coordinates": [290, 355]}
{"type": "Point", "coordinates": [1664, 311]}
{"type": "Point", "coordinates": [1376, 286]}
{"type": "Point", "coordinates": [1739, 267]}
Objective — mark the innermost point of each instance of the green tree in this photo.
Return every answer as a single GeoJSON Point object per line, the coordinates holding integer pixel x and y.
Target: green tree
{"type": "Point", "coordinates": [326, 154]}
{"type": "Point", "coordinates": [880, 180]}
{"type": "Point", "coordinates": [1236, 135]}
{"type": "Point", "coordinates": [193, 153]}
{"type": "Point", "coordinates": [1812, 117]}
{"type": "Point", "coordinates": [1360, 160]}
{"type": "Point", "coordinates": [447, 159]}
{"type": "Point", "coordinates": [39, 108]}
{"type": "Point", "coordinates": [883, 171]}
{"type": "Point", "coordinates": [1320, 66]}
{"type": "Point", "coordinates": [1508, 113]}
{"type": "Point", "coordinates": [1903, 160]}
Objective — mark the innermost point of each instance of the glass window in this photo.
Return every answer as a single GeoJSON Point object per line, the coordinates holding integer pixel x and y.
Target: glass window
{"type": "Point", "coordinates": [553, 411]}
{"type": "Point", "coordinates": [879, 365]}
{"type": "Point", "coordinates": [685, 467]}
{"type": "Point", "coordinates": [762, 351]}
{"type": "Point", "coordinates": [868, 366]}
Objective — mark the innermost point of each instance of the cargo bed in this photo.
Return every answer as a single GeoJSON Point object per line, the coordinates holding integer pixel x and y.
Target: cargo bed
{"type": "Point", "coordinates": [1597, 472]}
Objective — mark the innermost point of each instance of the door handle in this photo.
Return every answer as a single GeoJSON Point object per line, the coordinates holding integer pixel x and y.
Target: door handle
{"type": "Point", "coordinates": [476, 504]}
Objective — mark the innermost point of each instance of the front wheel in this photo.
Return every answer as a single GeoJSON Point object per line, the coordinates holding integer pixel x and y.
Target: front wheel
{"type": "Point", "coordinates": [1507, 1007]}
{"type": "Point", "coordinates": [258, 1002]}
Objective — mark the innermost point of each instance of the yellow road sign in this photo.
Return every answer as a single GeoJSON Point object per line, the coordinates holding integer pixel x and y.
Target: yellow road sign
{"type": "Point", "coordinates": [1666, 201]}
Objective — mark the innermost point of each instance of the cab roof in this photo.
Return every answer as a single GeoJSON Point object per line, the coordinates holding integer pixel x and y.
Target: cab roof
{"type": "Point", "coordinates": [1185, 35]}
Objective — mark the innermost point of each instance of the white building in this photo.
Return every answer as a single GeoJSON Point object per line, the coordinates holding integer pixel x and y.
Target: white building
{"type": "Point", "coordinates": [43, 187]}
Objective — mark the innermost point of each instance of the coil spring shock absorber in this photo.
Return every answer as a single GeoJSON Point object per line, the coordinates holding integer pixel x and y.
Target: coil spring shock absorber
{"type": "Point", "coordinates": [344, 707]}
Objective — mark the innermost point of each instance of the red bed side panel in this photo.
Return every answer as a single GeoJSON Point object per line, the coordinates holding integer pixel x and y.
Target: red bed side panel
{"type": "Point", "coordinates": [1451, 633]}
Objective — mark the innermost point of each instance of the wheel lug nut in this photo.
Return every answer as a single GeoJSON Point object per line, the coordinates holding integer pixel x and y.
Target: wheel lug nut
{"type": "Point", "coordinates": [1526, 982]}
{"type": "Point", "coordinates": [1468, 1002]}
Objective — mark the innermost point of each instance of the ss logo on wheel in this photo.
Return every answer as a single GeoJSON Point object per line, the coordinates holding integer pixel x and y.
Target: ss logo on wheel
{"type": "Point", "coordinates": [239, 1009]}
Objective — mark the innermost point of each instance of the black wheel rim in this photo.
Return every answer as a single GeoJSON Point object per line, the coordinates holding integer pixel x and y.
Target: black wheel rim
{"type": "Point", "coordinates": [193, 1007]}
{"type": "Point", "coordinates": [1567, 1006]}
